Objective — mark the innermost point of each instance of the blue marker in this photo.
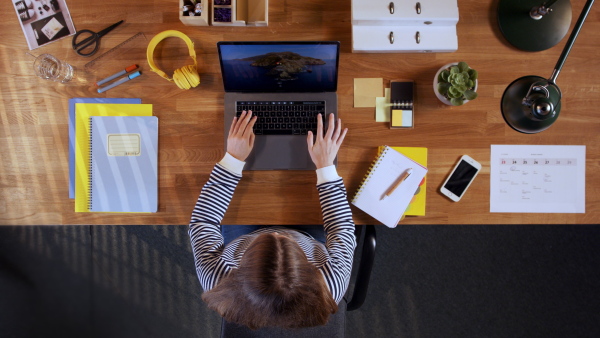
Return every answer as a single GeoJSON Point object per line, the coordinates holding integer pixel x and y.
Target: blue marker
{"type": "Point", "coordinates": [118, 82]}
{"type": "Point", "coordinates": [114, 76]}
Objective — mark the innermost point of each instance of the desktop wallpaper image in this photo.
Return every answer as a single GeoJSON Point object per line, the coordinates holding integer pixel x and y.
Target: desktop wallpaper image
{"type": "Point", "coordinates": [284, 68]}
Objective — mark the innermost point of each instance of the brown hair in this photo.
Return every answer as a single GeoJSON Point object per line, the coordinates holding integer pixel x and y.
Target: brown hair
{"type": "Point", "coordinates": [275, 285]}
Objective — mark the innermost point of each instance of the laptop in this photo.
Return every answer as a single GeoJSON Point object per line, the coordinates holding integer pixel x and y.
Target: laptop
{"type": "Point", "coordinates": [285, 84]}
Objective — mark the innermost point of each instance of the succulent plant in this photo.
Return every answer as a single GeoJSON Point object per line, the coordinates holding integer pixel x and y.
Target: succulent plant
{"type": "Point", "coordinates": [457, 83]}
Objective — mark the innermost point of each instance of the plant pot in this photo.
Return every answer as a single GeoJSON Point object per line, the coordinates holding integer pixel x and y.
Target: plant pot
{"type": "Point", "coordinates": [435, 84]}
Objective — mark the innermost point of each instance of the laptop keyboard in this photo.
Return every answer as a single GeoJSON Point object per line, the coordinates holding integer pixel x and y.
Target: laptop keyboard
{"type": "Point", "coordinates": [283, 117]}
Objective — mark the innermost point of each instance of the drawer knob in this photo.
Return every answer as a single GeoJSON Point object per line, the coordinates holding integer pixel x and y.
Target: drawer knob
{"type": "Point", "coordinates": [418, 37]}
{"type": "Point", "coordinates": [418, 8]}
{"type": "Point", "coordinates": [391, 8]}
{"type": "Point", "coordinates": [392, 37]}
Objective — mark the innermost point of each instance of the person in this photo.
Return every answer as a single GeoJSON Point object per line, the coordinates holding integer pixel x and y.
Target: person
{"type": "Point", "coordinates": [274, 276]}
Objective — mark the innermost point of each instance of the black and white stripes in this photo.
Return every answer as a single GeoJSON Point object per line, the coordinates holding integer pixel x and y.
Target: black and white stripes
{"type": "Point", "coordinates": [213, 261]}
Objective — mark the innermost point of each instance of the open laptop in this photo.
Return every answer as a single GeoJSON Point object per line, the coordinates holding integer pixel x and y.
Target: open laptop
{"type": "Point", "coordinates": [285, 84]}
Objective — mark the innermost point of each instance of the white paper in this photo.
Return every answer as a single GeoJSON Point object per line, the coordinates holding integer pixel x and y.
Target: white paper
{"type": "Point", "coordinates": [537, 179]}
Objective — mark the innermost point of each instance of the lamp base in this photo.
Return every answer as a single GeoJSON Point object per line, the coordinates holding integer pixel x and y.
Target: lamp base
{"type": "Point", "coordinates": [528, 34]}
{"type": "Point", "coordinates": [520, 117]}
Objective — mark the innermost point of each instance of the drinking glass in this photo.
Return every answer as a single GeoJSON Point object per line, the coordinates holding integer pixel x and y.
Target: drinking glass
{"type": "Point", "coordinates": [49, 67]}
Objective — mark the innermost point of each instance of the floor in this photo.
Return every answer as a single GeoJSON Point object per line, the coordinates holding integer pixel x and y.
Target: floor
{"type": "Point", "coordinates": [428, 281]}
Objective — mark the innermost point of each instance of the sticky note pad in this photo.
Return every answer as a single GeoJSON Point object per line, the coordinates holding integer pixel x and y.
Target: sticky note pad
{"type": "Point", "coordinates": [401, 118]}
{"type": "Point", "coordinates": [366, 90]}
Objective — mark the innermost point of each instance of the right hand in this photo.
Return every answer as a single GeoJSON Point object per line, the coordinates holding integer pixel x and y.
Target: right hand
{"type": "Point", "coordinates": [241, 136]}
{"type": "Point", "coordinates": [325, 148]}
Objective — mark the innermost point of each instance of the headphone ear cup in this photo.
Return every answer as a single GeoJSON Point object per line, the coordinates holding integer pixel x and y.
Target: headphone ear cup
{"type": "Point", "coordinates": [186, 77]}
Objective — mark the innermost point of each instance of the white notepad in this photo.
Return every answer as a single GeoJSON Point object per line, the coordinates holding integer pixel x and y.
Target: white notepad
{"type": "Point", "coordinates": [384, 173]}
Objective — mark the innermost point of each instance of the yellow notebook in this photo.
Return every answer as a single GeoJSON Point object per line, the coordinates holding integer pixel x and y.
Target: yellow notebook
{"type": "Point", "coordinates": [419, 155]}
{"type": "Point", "coordinates": [389, 186]}
{"type": "Point", "coordinates": [83, 112]}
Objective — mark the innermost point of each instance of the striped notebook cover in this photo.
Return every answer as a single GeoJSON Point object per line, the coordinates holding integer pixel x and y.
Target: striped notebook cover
{"type": "Point", "coordinates": [123, 164]}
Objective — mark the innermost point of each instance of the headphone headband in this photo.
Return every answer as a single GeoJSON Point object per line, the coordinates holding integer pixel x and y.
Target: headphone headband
{"type": "Point", "coordinates": [185, 77]}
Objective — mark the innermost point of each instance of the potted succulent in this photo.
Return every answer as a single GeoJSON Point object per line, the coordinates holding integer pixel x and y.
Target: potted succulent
{"type": "Point", "coordinates": [455, 83]}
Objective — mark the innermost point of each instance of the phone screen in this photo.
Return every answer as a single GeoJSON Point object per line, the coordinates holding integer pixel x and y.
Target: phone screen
{"type": "Point", "coordinates": [460, 178]}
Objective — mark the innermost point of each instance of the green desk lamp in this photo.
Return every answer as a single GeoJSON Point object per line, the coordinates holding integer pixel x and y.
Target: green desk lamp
{"type": "Point", "coordinates": [531, 104]}
{"type": "Point", "coordinates": [534, 25]}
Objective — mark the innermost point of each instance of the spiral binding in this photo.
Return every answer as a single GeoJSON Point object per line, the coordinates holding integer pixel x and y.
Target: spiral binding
{"type": "Point", "coordinates": [368, 175]}
{"type": "Point", "coordinates": [90, 171]}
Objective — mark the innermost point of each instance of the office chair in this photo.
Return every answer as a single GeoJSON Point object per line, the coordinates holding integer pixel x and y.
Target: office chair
{"type": "Point", "coordinates": [364, 255]}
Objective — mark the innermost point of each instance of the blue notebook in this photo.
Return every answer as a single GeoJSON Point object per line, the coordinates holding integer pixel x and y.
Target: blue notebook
{"type": "Point", "coordinates": [72, 103]}
{"type": "Point", "coordinates": [123, 164]}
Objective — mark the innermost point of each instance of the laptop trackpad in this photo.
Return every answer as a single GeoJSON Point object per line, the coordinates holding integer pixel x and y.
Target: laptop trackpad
{"type": "Point", "coordinates": [278, 152]}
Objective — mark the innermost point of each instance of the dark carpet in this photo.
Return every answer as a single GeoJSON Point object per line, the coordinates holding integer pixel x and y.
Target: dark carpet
{"type": "Point", "coordinates": [428, 281]}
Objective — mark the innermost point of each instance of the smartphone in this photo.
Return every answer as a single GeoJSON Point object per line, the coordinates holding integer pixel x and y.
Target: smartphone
{"type": "Point", "coordinates": [460, 178]}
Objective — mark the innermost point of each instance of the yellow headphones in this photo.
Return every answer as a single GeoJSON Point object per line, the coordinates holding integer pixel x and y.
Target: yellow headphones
{"type": "Point", "coordinates": [186, 77]}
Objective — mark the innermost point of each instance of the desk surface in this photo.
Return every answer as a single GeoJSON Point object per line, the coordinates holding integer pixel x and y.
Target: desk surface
{"type": "Point", "coordinates": [34, 115]}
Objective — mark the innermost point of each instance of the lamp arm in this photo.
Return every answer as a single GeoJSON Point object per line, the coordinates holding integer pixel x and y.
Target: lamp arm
{"type": "Point", "coordinates": [571, 41]}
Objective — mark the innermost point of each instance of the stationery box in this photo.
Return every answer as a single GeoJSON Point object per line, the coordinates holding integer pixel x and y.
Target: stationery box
{"type": "Point", "coordinates": [240, 13]}
{"type": "Point", "coordinates": [404, 39]}
{"type": "Point", "coordinates": [195, 20]}
{"type": "Point", "coordinates": [405, 12]}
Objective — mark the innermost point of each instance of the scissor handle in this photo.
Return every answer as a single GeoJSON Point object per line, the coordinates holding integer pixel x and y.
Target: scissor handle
{"type": "Point", "coordinates": [83, 44]}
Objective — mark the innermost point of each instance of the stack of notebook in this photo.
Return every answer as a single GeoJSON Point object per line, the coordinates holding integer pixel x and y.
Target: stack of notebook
{"type": "Point", "coordinates": [113, 155]}
{"type": "Point", "coordinates": [394, 186]}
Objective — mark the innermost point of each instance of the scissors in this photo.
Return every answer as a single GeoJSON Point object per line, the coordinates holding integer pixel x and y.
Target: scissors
{"type": "Point", "coordinates": [93, 38]}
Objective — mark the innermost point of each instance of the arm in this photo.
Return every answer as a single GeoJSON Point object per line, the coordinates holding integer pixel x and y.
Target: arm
{"type": "Point", "coordinates": [337, 216]}
{"type": "Point", "coordinates": [205, 224]}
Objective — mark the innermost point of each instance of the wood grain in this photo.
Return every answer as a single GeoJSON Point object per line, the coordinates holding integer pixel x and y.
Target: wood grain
{"type": "Point", "coordinates": [34, 114]}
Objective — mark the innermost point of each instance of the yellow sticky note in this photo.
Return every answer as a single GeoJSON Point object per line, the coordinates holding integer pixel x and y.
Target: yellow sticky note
{"type": "Point", "coordinates": [402, 118]}
{"type": "Point", "coordinates": [382, 108]}
{"type": "Point", "coordinates": [366, 90]}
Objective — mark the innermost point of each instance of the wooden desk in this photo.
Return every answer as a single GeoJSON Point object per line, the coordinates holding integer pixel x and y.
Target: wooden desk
{"type": "Point", "coordinates": [34, 115]}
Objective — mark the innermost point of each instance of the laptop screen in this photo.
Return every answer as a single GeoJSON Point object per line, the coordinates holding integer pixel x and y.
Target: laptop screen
{"type": "Point", "coordinates": [279, 66]}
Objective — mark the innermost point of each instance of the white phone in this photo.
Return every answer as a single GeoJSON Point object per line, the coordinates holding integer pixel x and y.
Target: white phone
{"type": "Point", "coordinates": [461, 178]}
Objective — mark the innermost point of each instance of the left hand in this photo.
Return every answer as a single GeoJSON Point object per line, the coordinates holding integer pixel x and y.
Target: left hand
{"type": "Point", "coordinates": [241, 136]}
{"type": "Point", "coordinates": [325, 148]}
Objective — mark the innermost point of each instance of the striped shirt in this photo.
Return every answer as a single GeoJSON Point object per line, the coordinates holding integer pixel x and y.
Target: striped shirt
{"type": "Point", "coordinates": [214, 260]}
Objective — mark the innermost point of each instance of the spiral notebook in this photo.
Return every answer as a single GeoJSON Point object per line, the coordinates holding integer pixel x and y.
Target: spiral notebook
{"type": "Point", "coordinates": [123, 164]}
{"type": "Point", "coordinates": [386, 170]}
{"type": "Point", "coordinates": [83, 112]}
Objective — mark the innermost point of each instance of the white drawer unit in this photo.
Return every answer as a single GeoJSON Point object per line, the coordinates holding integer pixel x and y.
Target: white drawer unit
{"type": "Point", "coordinates": [404, 39]}
{"type": "Point", "coordinates": [409, 26]}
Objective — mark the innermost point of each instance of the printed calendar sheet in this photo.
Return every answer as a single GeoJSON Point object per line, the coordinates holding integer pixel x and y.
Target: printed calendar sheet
{"type": "Point", "coordinates": [537, 179]}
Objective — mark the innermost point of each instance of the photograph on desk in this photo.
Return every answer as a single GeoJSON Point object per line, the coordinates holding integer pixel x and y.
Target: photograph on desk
{"type": "Point", "coordinates": [44, 21]}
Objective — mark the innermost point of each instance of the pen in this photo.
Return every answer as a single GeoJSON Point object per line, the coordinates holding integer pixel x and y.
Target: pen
{"type": "Point", "coordinates": [397, 184]}
{"type": "Point", "coordinates": [114, 76]}
{"type": "Point", "coordinates": [118, 82]}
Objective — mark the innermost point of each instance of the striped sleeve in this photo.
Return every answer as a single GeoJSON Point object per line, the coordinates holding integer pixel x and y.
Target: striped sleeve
{"type": "Point", "coordinates": [205, 226]}
{"type": "Point", "coordinates": [340, 240]}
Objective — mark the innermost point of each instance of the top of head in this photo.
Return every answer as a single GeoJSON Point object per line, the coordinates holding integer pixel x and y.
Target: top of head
{"type": "Point", "coordinates": [185, 77]}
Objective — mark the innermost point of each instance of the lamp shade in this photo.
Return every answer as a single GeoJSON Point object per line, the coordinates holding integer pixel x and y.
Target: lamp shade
{"type": "Point", "coordinates": [527, 33]}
